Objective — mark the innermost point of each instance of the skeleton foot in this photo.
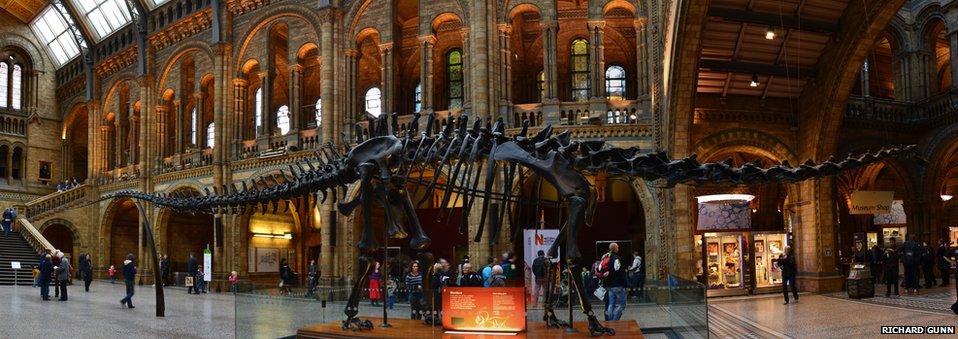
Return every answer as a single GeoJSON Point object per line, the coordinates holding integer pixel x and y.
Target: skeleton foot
{"type": "Point", "coordinates": [596, 328]}
{"type": "Point", "coordinates": [419, 242]}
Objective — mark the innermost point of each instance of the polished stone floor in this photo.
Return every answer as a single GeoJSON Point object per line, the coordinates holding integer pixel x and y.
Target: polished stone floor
{"type": "Point", "coordinates": [98, 314]}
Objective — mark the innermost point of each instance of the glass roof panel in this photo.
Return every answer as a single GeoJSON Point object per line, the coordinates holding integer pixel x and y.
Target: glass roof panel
{"type": "Point", "coordinates": [156, 3]}
{"type": "Point", "coordinates": [105, 16]}
{"type": "Point", "coordinates": [52, 27]}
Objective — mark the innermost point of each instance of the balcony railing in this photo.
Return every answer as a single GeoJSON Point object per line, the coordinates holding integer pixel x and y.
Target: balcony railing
{"type": "Point", "coordinates": [878, 110]}
{"type": "Point", "coordinates": [56, 201]}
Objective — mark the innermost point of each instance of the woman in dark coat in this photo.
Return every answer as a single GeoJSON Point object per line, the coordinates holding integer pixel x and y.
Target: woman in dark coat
{"type": "Point", "coordinates": [786, 263]}
{"type": "Point", "coordinates": [890, 262]}
{"type": "Point", "coordinates": [86, 270]}
{"type": "Point", "coordinates": [285, 277]}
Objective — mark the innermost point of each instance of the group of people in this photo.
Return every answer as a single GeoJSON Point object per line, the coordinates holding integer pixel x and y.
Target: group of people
{"type": "Point", "coordinates": [55, 266]}
{"type": "Point", "coordinates": [919, 262]}
{"type": "Point", "coordinates": [67, 185]}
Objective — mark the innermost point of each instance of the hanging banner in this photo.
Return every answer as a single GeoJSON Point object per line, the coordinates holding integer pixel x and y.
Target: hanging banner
{"type": "Point", "coordinates": [871, 202]}
{"type": "Point", "coordinates": [538, 240]}
{"type": "Point", "coordinates": [895, 216]}
{"type": "Point", "coordinates": [207, 265]}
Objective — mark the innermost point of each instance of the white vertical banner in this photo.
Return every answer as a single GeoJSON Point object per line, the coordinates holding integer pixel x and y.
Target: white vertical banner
{"type": "Point", "coordinates": [207, 265]}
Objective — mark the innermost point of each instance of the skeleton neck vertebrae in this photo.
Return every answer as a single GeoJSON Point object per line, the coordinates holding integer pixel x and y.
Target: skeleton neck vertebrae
{"type": "Point", "coordinates": [471, 161]}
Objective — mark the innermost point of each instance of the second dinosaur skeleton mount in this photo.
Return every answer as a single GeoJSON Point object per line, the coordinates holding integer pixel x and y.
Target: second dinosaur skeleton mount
{"type": "Point", "coordinates": [481, 164]}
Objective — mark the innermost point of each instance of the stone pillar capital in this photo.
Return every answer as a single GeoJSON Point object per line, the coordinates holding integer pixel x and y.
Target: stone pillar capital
{"type": "Point", "coordinates": [296, 68]}
{"type": "Point", "coordinates": [640, 22]}
{"type": "Point", "coordinates": [240, 82]}
{"type": "Point", "coordinates": [464, 32]}
{"type": "Point", "coordinates": [262, 75]}
{"type": "Point", "coordinates": [385, 47]}
{"type": "Point", "coordinates": [352, 53]}
{"type": "Point", "coordinates": [505, 29]}
{"type": "Point", "coordinates": [548, 24]}
{"type": "Point", "coordinates": [593, 24]}
{"type": "Point", "coordinates": [427, 39]}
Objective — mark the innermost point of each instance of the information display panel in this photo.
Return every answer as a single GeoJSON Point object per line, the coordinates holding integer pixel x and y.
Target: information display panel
{"type": "Point", "coordinates": [486, 309]}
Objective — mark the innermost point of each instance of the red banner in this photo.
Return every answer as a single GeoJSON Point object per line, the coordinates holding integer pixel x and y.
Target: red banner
{"type": "Point", "coordinates": [487, 309]}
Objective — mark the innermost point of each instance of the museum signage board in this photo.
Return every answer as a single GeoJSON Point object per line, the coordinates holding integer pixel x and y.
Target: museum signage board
{"type": "Point", "coordinates": [871, 202]}
{"type": "Point", "coordinates": [484, 309]}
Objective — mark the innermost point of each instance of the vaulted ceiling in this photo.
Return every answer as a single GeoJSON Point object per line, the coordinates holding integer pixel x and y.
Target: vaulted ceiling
{"type": "Point", "coordinates": [25, 10]}
{"type": "Point", "coordinates": [737, 51]}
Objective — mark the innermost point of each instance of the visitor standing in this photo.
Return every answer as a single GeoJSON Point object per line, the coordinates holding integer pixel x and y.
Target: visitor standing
{"type": "Point", "coordinates": [63, 275]}
{"type": "Point", "coordinates": [498, 279]}
{"type": "Point", "coordinates": [928, 265]}
{"type": "Point", "coordinates": [890, 261]}
{"type": "Point", "coordinates": [9, 215]}
{"type": "Point", "coordinates": [199, 282]}
{"type": "Point", "coordinates": [910, 257]}
{"type": "Point", "coordinates": [285, 277]}
{"type": "Point", "coordinates": [112, 273]}
{"type": "Point", "coordinates": [465, 260]}
{"type": "Point", "coordinates": [390, 292]}
{"type": "Point", "coordinates": [86, 271]}
{"type": "Point", "coordinates": [469, 278]}
{"type": "Point", "coordinates": [191, 271]}
{"type": "Point", "coordinates": [508, 265]}
{"type": "Point", "coordinates": [786, 262]}
{"type": "Point", "coordinates": [312, 278]}
{"type": "Point", "coordinates": [46, 271]}
{"type": "Point", "coordinates": [944, 262]}
{"type": "Point", "coordinates": [374, 286]}
{"type": "Point", "coordinates": [414, 288]}
{"type": "Point", "coordinates": [540, 267]}
{"type": "Point", "coordinates": [487, 272]}
{"type": "Point", "coordinates": [57, 256]}
{"type": "Point", "coordinates": [635, 274]}
{"type": "Point", "coordinates": [878, 256]}
{"type": "Point", "coordinates": [164, 268]}
{"type": "Point", "coordinates": [233, 280]}
{"type": "Point", "coordinates": [615, 282]}
{"type": "Point", "coordinates": [129, 274]}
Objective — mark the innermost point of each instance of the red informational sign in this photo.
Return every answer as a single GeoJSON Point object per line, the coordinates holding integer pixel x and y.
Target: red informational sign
{"type": "Point", "coordinates": [486, 309]}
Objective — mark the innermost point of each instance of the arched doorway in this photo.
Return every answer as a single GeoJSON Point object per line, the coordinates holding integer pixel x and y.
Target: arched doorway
{"type": "Point", "coordinates": [185, 233]}
{"type": "Point", "coordinates": [61, 237]}
{"type": "Point", "coordinates": [272, 237]}
{"type": "Point", "coordinates": [122, 220]}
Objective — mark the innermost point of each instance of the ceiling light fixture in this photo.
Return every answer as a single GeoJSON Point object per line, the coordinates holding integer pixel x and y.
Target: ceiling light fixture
{"type": "Point", "coordinates": [724, 198]}
{"type": "Point", "coordinates": [754, 82]}
{"type": "Point", "coordinates": [770, 34]}
{"type": "Point", "coordinates": [946, 197]}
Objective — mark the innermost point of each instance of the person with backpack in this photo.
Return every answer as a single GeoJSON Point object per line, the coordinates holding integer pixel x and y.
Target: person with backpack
{"type": "Point", "coordinates": [487, 272]}
{"type": "Point", "coordinates": [614, 277]}
{"type": "Point", "coordinates": [539, 267]}
{"type": "Point", "coordinates": [890, 260]}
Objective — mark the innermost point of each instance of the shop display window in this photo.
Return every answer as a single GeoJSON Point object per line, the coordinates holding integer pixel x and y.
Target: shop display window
{"type": "Point", "coordinates": [724, 260]}
{"type": "Point", "coordinates": [898, 233]}
{"type": "Point", "coordinates": [953, 235]}
{"type": "Point", "coordinates": [768, 247]}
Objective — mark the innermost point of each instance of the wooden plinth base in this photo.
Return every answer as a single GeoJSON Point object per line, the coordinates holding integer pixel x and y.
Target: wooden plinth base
{"type": "Point", "coordinates": [414, 329]}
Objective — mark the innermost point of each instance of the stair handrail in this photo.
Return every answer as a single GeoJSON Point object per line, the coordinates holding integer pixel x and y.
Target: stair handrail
{"type": "Point", "coordinates": [33, 236]}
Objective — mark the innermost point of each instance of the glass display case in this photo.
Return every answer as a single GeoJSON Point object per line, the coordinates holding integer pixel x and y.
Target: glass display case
{"type": "Point", "coordinates": [768, 247]}
{"type": "Point", "coordinates": [723, 253]}
{"type": "Point", "coordinates": [898, 233]}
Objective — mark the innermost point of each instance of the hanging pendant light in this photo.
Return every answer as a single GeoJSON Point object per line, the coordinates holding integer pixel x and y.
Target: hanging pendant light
{"type": "Point", "coordinates": [754, 82]}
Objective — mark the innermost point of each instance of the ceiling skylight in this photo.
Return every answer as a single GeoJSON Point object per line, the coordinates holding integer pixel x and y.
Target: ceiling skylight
{"type": "Point", "coordinates": [52, 27]}
{"type": "Point", "coordinates": [103, 16]}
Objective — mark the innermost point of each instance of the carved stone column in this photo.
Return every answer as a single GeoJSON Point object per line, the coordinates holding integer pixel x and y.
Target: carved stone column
{"type": "Point", "coordinates": [198, 130]}
{"type": "Point", "coordinates": [266, 85]}
{"type": "Point", "coordinates": [505, 73]}
{"type": "Point", "coordinates": [550, 103]}
{"type": "Point", "coordinates": [953, 55]}
{"type": "Point", "coordinates": [118, 137]}
{"type": "Point", "coordinates": [863, 78]}
{"type": "Point", "coordinates": [426, 44]}
{"type": "Point", "coordinates": [597, 59]}
{"type": "Point", "coordinates": [105, 155]}
{"type": "Point", "coordinates": [467, 71]}
{"type": "Point", "coordinates": [351, 110]}
{"type": "Point", "coordinates": [387, 83]}
{"type": "Point", "coordinates": [133, 151]}
{"type": "Point", "coordinates": [179, 147]}
{"type": "Point", "coordinates": [814, 230]}
{"type": "Point", "coordinates": [162, 114]}
{"type": "Point", "coordinates": [642, 60]}
{"type": "Point", "coordinates": [242, 120]}
{"type": "Point", "coordinates": [326, 74]}
{"type": "Point", "coordinates": [295, 97]}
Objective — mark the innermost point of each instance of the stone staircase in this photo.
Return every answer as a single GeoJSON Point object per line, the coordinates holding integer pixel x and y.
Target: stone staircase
{"type": "Point", "coordinates": [14, 247]}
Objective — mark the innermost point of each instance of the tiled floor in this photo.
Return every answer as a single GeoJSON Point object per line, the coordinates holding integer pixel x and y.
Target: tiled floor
{"type": "Point", "coordinates": [827, 316]}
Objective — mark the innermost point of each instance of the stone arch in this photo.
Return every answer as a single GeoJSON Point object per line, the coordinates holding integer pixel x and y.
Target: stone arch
{"type": "Point", "coordinates": [444, 17]}
{"type": "Point", "coordinates": [74, 232]}
{"type": "Point", "coordinates": [182, 233]}
{"type": "Point", "coordinates": [267, 18]}
{"type": "Point", "coordinates": [25, 44]}
{"type": "Point", "coordinates": [612, 4]}
{"type": "Point", "coordinates": [202, 47]}
{"type": "Point", "coordinates": [119, 227]}
{"type": "Point", "coordinates": [114, 88]}
{"type": "Point", "coordinates": [760, 142]}
{"type": "Point", "coordinates": [545, 11]}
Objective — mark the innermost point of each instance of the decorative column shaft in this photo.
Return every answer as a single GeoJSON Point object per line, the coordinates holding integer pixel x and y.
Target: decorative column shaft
{"type": "Point", "coordinates": [388, 98]}
{"type": "Point", "coordinates": [326, 210]}
{"type": "Point", "coordinates": [505, 70]}
{"type": "Point", "coordinates": [597, 59]}
{"type": "Point", "coordinates": [642, 61]}
{"type": "Point", "coordinates": [242, 124]}
{"type": "Point", "coordinates": [426, 44]}
{"type": "Point", "coordinates": [352, 110]}
{"type": "Point", "coordinates": [162, 115]}
{"type": "Point", "coordinates": [549, 63]}
{"type": "Point", "coordinates": [266, 85]}
{"type": "Point", "coordinates": [296, 116]}
{"type": "Point", "coordinates": [180, 125]}
{"type": "Point", "coordinates": [197, 132]}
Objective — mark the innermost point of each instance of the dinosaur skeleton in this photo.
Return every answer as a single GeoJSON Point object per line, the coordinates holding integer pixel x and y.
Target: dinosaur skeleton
{"type": "Point", "coordinates": [473, 161]}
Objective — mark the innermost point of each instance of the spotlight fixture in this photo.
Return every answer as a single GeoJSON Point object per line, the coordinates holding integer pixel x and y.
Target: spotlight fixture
{"type": "Point", "coordinates": [287, 235]}
{"type": "Point", "coordinates": [770, 34]}
{"type": "Point", "coordinates": [946, 197]}
{"type": "Point", "coordinates": [754, 82]}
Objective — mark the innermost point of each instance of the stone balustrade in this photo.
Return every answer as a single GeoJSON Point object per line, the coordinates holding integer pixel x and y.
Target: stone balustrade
{"type": "Point", "coordinates": [56, 201]}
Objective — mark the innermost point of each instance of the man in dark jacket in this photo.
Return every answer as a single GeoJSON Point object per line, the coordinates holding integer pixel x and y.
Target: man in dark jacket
{"type": "Point", "coordinates": [191, 270]}
{"type": "Point", "coordinates": [539, 267]}
{"type": "Point", "coordinates": [164, 268]}
{"type": "Point", "coordinates": [928, 265]}
{"type": "Point", "coordinates": [46, 270]}
{"type": "Point", "coordinates": [877, 260]}
{"type": "Point", "coordinates": [615, 283]}
{"type": "Point", "coordinates": [469, 278]}
{"type": "Point", "coordinates": [944, 262]}
{"type": "Point", "coordinates": [129, 275]}
{"type": "Point", "coordinates": [911, 257]}
{"type": "Point", "coordinates": [890, 260]}
{"type": "Point", "coordinates": [786, 262]}
{"type": "Point", "coordinates": [86, 271]}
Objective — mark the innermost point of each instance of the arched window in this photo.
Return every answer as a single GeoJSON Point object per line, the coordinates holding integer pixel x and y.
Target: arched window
{"type": "Point", "coordinates": [4, 75]}
{"type": "Point", "coordinates": [211, 135]}
{"type": "Point", "coordinates": [282, 119]}
{"type": "Point", "coordinates": [319, 112]}
{"type": "Point", "coordinates": [17, 83]}
{"type": "Point", "coordinates": [615, 82]}
{"type": "Point", "coordinates": [454, 75]}
{"type": "Point", "coordinates": [541, 84]}
{"type": "Point", "coordinates": [374, 98]}
{"type": "Point", "coordinates": [418, 98]}
{"type": "Point", "coordinates": [580, 69]}
{"type": "Point", "coordinates": [258, 111]}
{"type": "Point", "coordinates": [193, 135]}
